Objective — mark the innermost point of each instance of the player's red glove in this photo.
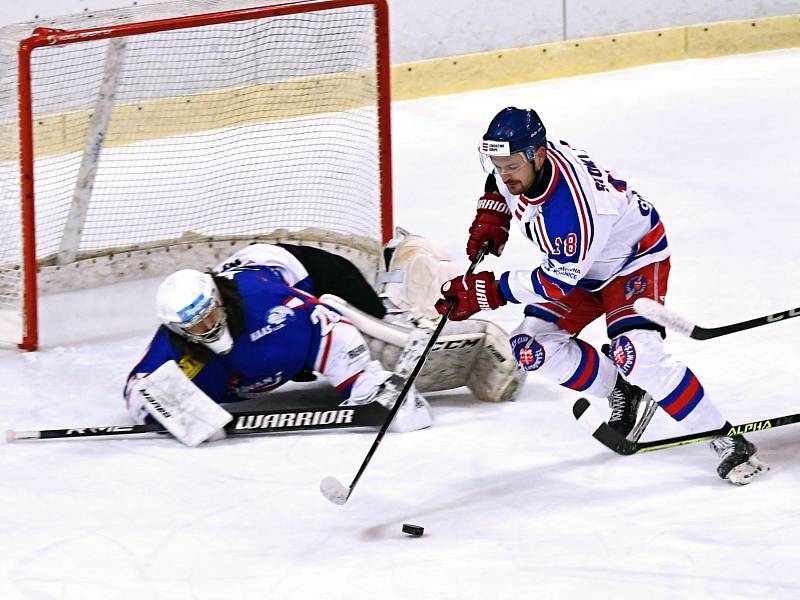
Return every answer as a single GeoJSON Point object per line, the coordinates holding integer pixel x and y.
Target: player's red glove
{"type": "Point", "coordinates": [490, 227]}
{"type": "Point", "coordinates": [471, 293]}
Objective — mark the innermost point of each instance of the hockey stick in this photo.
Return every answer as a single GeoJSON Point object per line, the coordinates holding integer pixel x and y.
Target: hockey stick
{"type": "Point", "coordinates": [332, 488]}
{"type": "Point", "coordinates": [604, 434]}
{"type": "Point", "coordinates": [244, 423]}
{"type": "Point", "coordinates": [660, 314]}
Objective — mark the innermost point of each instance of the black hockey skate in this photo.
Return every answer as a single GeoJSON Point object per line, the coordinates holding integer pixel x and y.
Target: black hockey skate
{"type": "Point", "coordinates": [624, 402]}
{"type": "Point", "coordinates": [739, 463]}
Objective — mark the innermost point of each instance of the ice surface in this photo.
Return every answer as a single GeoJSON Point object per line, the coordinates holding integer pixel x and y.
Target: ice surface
{"type": "Point", "coordinates": [516, 499]}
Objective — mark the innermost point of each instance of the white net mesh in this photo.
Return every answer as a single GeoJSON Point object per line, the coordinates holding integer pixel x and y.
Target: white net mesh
{"type": "Point", "coordinates": [224, 131]}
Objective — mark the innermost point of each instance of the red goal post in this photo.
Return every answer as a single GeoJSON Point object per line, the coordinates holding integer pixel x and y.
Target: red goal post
{"type": "Point", "coordinates": [166, 136]}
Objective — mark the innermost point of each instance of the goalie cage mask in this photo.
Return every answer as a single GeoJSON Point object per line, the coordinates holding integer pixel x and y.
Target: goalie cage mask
{"type": "Point", "coordinates": [188, 298]}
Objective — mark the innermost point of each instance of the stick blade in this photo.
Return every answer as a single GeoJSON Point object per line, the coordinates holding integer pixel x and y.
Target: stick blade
{"type": "Point", "coordinates": [660, 314]}
{"type": "Point", "coordinates": [334, 491]}
{"type": "Point", "coordinates": [600, 430]}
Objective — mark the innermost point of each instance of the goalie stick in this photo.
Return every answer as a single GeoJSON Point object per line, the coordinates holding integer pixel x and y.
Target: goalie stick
{"type": "Point", "coordinates": [332, 488]}
{"type": "Point", "coordinates": [660, 314]}
{"type": "Point", "coordinates": [244, 423]}
{"type": "Point", "coordinates": [604, 434]}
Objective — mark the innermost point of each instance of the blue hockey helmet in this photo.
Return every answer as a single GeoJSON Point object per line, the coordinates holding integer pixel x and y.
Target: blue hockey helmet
{"type": "Point", "coordinates": [512, 130]}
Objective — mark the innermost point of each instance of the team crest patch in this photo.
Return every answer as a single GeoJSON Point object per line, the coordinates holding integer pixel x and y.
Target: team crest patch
{"type": "Point", "coordinates": [634, 286]}
{"type": "Point", "coordinates": [528, 352]}
{"type": "Point", "coordinates": [623, 353]}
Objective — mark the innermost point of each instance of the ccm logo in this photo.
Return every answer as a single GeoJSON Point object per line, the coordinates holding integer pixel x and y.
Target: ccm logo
{"type": "Point", "coordinates": [455, 344]}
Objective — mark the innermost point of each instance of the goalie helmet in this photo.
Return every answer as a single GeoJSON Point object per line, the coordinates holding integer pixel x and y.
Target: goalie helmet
{"type": "Point", "coordinates": [512, 130]}
{"type": "Point", "coordinates": [188, 303]}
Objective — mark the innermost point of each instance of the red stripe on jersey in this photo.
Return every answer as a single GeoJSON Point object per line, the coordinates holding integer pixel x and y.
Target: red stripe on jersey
{"type": "Point", "coordinates": [538, 224]}
{"type": "Point", "coordinates": [293, 302]}
{"type": "Point", "coordinates": [551, 186]}
{"type": "Point", "coordinates": [349, 381]}
{"type": "Point", "coordinates": [522, 204]}
{"type": "Point", "coordinates": [553, 291]}
{"type": "Point", "coordinates": [579, 199]}
{"type": "Point", "coordinates": [523, 201]}
{"type": "Point", "coordinates": [650, 239]}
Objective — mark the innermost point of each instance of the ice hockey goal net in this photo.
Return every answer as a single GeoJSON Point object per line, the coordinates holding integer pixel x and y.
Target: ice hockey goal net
{"type": "Point", "coordinates": [146, 139]}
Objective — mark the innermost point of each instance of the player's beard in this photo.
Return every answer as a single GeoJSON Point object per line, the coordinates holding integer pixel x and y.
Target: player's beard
{"type": "Point", "coordinates": [517, 186]}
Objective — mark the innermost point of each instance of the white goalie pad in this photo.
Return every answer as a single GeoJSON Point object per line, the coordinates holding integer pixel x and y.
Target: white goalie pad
{"type": "Point", "coordinates": [179, 405]}
{"type": "Point", "coordinates": [413, 279]}
{"type": "Point", "coordinates": [470, 353]}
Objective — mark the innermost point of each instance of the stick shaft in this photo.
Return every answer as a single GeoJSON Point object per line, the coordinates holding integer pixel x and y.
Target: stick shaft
{"type": "Point", "coordinates": [244, 423]}
{"type": "Point", "coordinates": [409, 382]}
{"type": "Point", "coordinates": [610, 438]}
{"type": "Point", "coordinates": [706, 333]}
{"type": "Point", "coordinates": [663, 316]}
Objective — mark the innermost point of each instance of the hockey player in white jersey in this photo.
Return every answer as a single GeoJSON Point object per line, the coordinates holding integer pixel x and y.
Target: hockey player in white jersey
{"type": "Point", "coordinates": [602, 247]}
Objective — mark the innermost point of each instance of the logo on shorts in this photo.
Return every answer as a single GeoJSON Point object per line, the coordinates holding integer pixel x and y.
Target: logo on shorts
{"type": "Point", "coordinates": [623, 354]}
{"type": "Point", "coordinates": [528, 352]}
{"type": "Point", "coordinates": [634, 286]}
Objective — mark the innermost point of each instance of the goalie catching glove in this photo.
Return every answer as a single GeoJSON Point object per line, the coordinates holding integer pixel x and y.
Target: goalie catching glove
{"type": "Point", "coordinates": [491, 225]}
{"type": "Point", "coordinates": [470, 294]}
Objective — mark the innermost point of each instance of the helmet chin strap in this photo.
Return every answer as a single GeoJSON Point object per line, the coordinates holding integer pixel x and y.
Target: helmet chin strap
{"type": "Point", "coordinates": [223, 344]}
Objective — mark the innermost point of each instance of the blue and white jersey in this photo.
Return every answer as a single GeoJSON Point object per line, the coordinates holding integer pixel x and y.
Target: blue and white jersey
{"type": "Point", "coordinates": [589, 226]}
{"type": "Point", "coordinates": [280, 337]}
{"type": "Point", "coordinates": [273, 257]}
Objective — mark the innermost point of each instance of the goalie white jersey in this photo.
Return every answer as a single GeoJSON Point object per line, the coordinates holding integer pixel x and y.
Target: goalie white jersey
{"type": "Point", "coordinates": [589, 226]}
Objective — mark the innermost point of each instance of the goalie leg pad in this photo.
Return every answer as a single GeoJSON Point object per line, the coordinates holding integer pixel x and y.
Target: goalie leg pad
{"type": "Point", "coordinates": [471, 353]}
{"type": "Point", "coordinates": [495, 375]}
{"type": "Point", "coordinates": [413, 279]}
{"type": "Point", "coordinates": [179, 405]}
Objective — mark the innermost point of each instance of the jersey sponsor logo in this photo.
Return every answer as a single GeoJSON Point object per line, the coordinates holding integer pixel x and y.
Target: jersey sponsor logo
{"type": "Point", "coordinates": [278, 315]}
{"type": "Point", "coordinates": [356, 352]}
{"type": "Point", "coordinates": [276, 318]}
{"type": "Point", "coordinates": [555, 269]}
{"type": "Point", "coordinates": [295, 419]}
{"type": "Point", "coordinates": [262, 385]}
{"type": "Point", "coordinates": [623, 353]}
{"type": "Point", "coordinates": [528, 352]}
{"type": "Point", "coordinates": [637, 284]}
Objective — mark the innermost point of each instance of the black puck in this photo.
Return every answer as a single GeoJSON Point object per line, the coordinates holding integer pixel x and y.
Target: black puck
{"type": "Point", "coordinates": [414, 530]}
